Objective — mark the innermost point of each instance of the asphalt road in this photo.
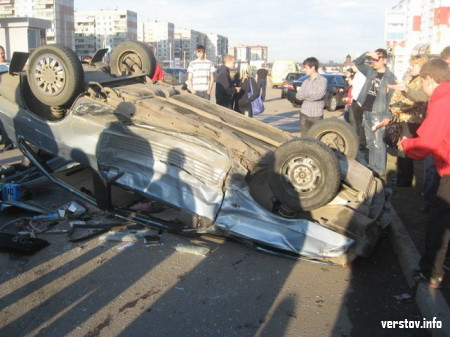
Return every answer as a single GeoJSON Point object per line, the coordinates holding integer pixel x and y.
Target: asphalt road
{"type": "Point", "coordinates": [100, 288]}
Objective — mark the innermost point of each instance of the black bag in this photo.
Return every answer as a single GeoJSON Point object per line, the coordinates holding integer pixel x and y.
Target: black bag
{"type": "Point", "coordinates": [392, 133]}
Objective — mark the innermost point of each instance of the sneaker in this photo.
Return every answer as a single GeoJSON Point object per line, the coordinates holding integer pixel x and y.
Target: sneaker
{"type": "Point", "coordinates": [434, 282]}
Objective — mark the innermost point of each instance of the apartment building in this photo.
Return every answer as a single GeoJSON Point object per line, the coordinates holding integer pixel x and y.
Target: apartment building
{"type": "Point", "coordinates": [254, 55]}
{"type": "Point", "coordinates": [103, 29]}
{"type": "Point", "coordinates": [416, 27]}
{"type": "Point", "coordinates": [186, 42]}
{"type": "Point", "coordinates": [216, 47]}
{"type": "Point", "coordinates": [160, 35]}
{"type": "Point", "coordinates": [59, 12]}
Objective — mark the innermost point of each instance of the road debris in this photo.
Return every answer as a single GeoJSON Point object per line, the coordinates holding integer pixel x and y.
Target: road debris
{"type": "Point", "coordinates": [21, 243]}
{"type": "Point", "coordinates": [402, 297]}
{"type": "Point", "coordinates": [128, 245]}
{"type": "Point", "coordinates": [192, 249]}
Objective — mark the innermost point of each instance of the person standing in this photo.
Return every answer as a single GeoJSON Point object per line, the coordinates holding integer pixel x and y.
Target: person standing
{"type": "Point", "coordinates": [248, 93]}
{"type": "Point", "coordinates": [201, 74]}
{"type": "Point", "coordinates": [225, 89]}
{"type": "Point", "coordinates": [3, 56]}
{"type": "Point", "coordinates": [7, 143]}
{"type": "Point", "coordinates": [445, 55]}
{"type": "Point", "coordinates": [409, 115]}
{"type": "Point", "coordinates": [433, 138]}
{"type": "Point", "coordinates": [374, 99]}
{"type": "Point", "coordinates": [158, 75]}
{"type": "Point", "coordinates": [356, 113]}
{"type": "Point", "coordinates": [261, 79]}
{"type": "Point", "coordinates": [312, 93]}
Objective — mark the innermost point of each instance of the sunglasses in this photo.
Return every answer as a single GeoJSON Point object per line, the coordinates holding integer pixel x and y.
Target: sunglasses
{"type": "Point", "coordinates": [372, 60]}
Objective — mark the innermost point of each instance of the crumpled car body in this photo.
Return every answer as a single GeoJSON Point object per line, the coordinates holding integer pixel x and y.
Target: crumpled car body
{"type": "Point", "coordinates": [197, 157]}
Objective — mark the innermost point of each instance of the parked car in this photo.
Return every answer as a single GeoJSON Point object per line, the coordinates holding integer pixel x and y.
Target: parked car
{"type": "Point", "coordinates": [218, 171]}
{"type": "Point", "coordinates": [291, 77]}
{"type": "Point", "coordinates": [280, 69]}
{"type": "Point", "coordinates": [336, 90]}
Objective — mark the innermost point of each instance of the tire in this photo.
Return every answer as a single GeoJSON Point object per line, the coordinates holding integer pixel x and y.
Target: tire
{"type": "Point", "coordinates": [132, 58]}
{"type": "Point", "coordinates": [333, 103]}
{"type": "Point", "coordinates": [55, 75]}
{"type": "Point", "coordinates": [336, 134]}
{"type": "Point", "coordinates": [304, 174]}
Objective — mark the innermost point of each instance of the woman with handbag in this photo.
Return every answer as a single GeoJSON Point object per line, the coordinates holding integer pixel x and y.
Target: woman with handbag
{"type": "Point", "coordinates": [249, 91]}
{"type": "Point", "coordinates": [409, 116]}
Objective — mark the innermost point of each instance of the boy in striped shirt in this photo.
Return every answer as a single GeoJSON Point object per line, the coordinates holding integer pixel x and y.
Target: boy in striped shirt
{"type": "Point", "coordinates": [201, 74]}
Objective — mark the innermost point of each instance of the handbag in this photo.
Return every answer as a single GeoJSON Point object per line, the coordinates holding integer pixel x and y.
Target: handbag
{"type": "Point", "coordinates": [392, 133]}
{"type": "Point", "coordinates": [257, 104]}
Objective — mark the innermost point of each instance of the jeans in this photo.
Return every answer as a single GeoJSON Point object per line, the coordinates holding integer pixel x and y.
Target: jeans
{"type": "Point", "coordinates": [430, 181]}
{"type": "Point", "coordinates": [262, 84]}
{"type": "Point", "coordinates": [356, 120]}
{"type": "Point", "coordinates": [203, 94]}
{"type": "Point", "coordinates": [375, 143]}
{"type": "Point", "coordinates": [306, 122]}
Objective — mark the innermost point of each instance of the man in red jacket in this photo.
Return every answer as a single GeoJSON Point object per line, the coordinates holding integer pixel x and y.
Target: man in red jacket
{"type": "Point", "coordinates": [434, 138]}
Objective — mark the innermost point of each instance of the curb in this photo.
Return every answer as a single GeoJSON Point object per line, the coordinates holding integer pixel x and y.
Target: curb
{"type": "Point", "coordinates": [431, 302]}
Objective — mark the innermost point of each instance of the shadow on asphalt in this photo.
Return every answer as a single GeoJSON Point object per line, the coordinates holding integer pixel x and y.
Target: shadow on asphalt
{"type": "Point", "coordinates": [111, 295]}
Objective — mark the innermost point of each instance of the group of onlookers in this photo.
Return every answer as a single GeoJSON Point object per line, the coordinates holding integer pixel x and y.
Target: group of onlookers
{"type": "Point", "coordinates": [237, 92]}
{"type": "Point", "coordinates": [420, 108]}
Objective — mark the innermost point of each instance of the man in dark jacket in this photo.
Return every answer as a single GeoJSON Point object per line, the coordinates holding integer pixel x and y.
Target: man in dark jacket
{"type": "Point", "coordinates": [225, 90]}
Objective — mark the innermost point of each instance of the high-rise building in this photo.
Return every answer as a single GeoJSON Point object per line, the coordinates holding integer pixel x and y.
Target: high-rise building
{"type": "Point", "coordinates": [59, 12]}
{"type": "Point", "coordinates": [160, 35]}
{"type": "Point", "coordinates": [186, 41]}
{"type": "Point", "coordinates": [254, 55]}
{"type": "Point", "coordinates": [416, 27]}
{"type": "Point", "coordinates": [216, 47]}
{"type": "Point", "coordinates": [103, 29]}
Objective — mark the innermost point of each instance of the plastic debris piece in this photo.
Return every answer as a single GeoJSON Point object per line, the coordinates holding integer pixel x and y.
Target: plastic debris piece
{"type": "Point", "coordinates": [152, 239]}
{"type": "Point", "coordinates": [21, 243]}
{"type": "Point", "coordinates": [128, 245]}
{"type": "Point", "coordinates": [192, 249]}
{"type": "Point", "coordinates": [51, 215]}
{"type": "Point", "coordinates": [402, 297]}
{"type": "Point", "coordinates": [76, 209]}
{"type": "Point", "coordinates": [122, 236]}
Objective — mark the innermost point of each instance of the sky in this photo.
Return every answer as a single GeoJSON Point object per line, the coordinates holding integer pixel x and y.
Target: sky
{"type": "Point", "coordinates": [326, 29]}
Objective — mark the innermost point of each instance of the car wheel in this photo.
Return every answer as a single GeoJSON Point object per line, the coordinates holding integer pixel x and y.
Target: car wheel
{"type": "Point", "coordinates": [55, 75]}
{"type": "Point", "coordinates": [336, 134]}
{"type": "Point", "coordinates": [132, 58]}
{"type": "Point", "coordinates": [283, 95]}
{"type": "Point", "coordinates": [332, 105]}
{"type": "Point", "coordinates": [304, 174]}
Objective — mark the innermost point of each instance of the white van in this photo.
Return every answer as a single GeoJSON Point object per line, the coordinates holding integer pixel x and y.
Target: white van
{"type": "Point", "coordinates": [280, 69]}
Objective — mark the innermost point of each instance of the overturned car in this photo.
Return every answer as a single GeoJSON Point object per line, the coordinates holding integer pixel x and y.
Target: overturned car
{"type": "Point", "coordinates": [221, 172]}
